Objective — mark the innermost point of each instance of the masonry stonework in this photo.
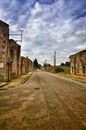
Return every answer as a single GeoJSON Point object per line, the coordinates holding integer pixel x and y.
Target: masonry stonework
{"type": "Point", "coordinates": [78, 63]}
{"type": "Point", "coordinates": [4, 44]}
{"type": "Point", "coordinates": [11, 63]}
{"type": "Point", "coordinates": [15, 52]}
{"type": "Point", "coordinates": [26, 65]}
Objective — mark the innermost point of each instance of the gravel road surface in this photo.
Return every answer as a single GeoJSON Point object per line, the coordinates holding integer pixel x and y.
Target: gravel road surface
{"type": "Point", "coordinates": [44, 102]}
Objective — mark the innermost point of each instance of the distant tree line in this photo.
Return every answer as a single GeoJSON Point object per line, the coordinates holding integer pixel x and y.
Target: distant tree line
{"type": "Point", "coordinates": [66, 64]}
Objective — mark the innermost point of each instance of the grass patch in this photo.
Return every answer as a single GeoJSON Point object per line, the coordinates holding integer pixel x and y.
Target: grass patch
{"type": "Point", "coordinates": [58, 69]}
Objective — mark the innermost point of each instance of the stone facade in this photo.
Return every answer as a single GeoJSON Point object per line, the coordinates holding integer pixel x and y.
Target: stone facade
{"type": "Point", "coordinates": [15, 52]}
{"type": "Point", "coordinates": [11, 62]}
{"type": "Point", "coordinates": [30, 65]}
{"type": "Point", "coordinates": [78, 63]}
{"type": "Point", "coordinates": [4, 45]}
{"type": "Point", "coordinates": [26, 65]}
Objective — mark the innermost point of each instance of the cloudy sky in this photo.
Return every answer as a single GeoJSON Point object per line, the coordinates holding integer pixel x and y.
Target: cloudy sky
{"type": "Point", "coordinates": [49, 26]}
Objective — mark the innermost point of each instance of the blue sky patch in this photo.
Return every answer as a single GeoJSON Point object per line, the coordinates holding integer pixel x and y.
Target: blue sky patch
{"type": "Point", "coordinates": [49, 26]}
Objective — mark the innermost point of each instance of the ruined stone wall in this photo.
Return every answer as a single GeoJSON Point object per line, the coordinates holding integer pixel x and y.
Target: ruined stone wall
{"type": "Point", "coordinates": [14, 58]}
{"type": "Point", "coordinates": [4, 41]}
{"type": "Point", "coordinates": [78, 63]}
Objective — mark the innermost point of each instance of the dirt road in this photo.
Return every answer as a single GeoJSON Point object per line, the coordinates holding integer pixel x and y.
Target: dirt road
{"type": "Point", "coordinates": [44, 102]}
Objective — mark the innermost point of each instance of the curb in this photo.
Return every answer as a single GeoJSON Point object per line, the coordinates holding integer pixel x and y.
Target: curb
{"type": "Point", "coordinates": [3, 84]}
{"type": "Point", "coordinates": [25, 79]}
{"type": "Point", "coordinates": [4, 87]}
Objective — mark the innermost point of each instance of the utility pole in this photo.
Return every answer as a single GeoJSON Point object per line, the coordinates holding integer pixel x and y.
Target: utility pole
{"type": "Point", "coordinates": [45, 61]}
{"type": "Point", "coordinates": [54, 58]}
{"type": "Point", "coordinates": [20, 34]}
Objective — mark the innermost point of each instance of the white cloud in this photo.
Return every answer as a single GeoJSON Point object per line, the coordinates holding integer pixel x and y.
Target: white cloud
{"type": "Point", "coordinates": [47, 28]}
{"type": "Point", "coordinates": [37, 9]}
{"type": "Point", "coordinates": [82, 46]}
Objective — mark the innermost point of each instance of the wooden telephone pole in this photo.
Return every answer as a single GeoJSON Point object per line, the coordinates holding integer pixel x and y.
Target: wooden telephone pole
{"type": "Point", "coordinates": [54, 58]}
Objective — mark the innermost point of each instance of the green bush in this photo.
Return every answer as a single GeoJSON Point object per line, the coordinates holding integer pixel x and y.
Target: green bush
{"type": "Point", "coordinates": [57, 70]}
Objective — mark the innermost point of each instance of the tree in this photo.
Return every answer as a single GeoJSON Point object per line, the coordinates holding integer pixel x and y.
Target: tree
{"type": "Point", "coordinates": [35, 64]}
{"type": "Point", "coordinates": [62, 64]}
{"type": "Point", "coordinates": [67, 63]}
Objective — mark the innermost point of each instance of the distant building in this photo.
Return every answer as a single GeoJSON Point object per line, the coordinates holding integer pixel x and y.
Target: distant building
{"type": "Point", "coordinates": [26, 65]}
{"type": "Point", "coordinates": [4, 45]}
{"type": "Point", "coordinates": [78, 63]}
{"type": "Point", "coordinates": [15, 52]}
{"type": "Point", "coordinates": [30, 65]}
